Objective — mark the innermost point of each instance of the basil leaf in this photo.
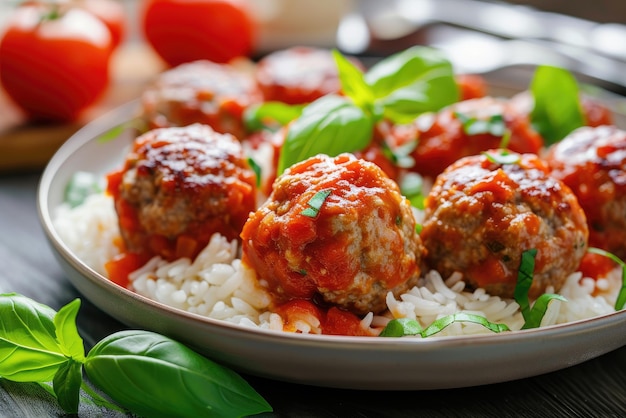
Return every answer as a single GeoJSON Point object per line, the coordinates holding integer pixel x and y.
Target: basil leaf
{"type": "Point", "coordinates": [330, 125]}
{"type": "Point", "coordinates": [315, 203]}
{"type": "Point", "coordinates": [257, 171]}
{"type": "Point", "coordinates": [502, 157]}
{"type": "Point", "coordinates": [411, 82]}
{"type": "Point", "coordinates": [533, 318]}
{"type": "Point", "coordinates": [270, 115]}
{"type": "Point", "coordinates": [67, 334]}
{"type": "Point", "coordinates": [525, 280]}
{"type": "Point", "coordinates": [29, 350]}
{"type": "Point", "coordinates": [353, 82]}
{"type": "Point", "coordinates": [401, 327]}
{"type": "Point", "coordinates": [137, 124]}
{"type": "Point", "coordinates": [621, 296]}
{"type": "Point", "coordinates": [473, 126]}
{"type": "Point", "coordinates": [66, 383]}
{"type": "Point", "coordinates": [155, 376]}
{"type": "Point", "coordinates": [405, 327]}
{"type": "Point", "coordinates": [441, 323]}
{"type": "Point", "coordinates": [557, 110]}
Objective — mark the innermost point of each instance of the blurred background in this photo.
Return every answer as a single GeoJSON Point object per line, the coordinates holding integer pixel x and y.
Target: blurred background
{"type": "Point", "coordinates": [588, 37]}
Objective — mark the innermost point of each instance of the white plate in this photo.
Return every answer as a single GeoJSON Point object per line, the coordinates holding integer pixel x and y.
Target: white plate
{"type": "Point", "coordinates": [333, 361]}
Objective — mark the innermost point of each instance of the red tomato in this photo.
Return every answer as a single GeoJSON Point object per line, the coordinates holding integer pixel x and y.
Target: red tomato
{"type": "Point", "coordinates": [188, 30]}
{"type": "Point", "coordinates": [54, 66]}
{"type": "Point", "coordinates": [111, 13]}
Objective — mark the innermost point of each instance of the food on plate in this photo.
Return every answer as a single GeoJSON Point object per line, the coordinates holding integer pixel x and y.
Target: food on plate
{"type": "Point", "coordinates": [298, 75]}
{"type": "Point", "coordinates": [332, 245]}
{"type": "Point", "coordinates": [54, 63]}
{"type": "Point", "coordinates": [485, 210]}
{"type": "Point", "coordinates": [463, 129]}
{"type": "Point", "coordinates": [592, 162]}
{"type": "Point", "coordinates": [182, 31]}
{"type": "Point", "coordinates": [178, 187]}
{"type": "Point", "coordinates": [328, 231]}
{"type": "Point", "coordinates": [200, 92]}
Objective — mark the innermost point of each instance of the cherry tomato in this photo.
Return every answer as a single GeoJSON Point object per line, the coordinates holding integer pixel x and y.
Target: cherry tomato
{"type": "Point", "coordinates": [188, 30]}
{"type": "Point", "coordinates": [54, 64]}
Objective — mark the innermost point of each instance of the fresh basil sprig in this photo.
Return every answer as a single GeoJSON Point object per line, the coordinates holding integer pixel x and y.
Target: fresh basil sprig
{"type": "Point", "coordinates": [621, 296]}
{"type": "Point", "coordinates": [40, 345]}
{"type": "Point", "coordinates": [330, 125]}
{"type": "Point", "coordinates": [532, 315]}
{"type": "Point", "coordinates": [399, 88]}
{"type": "Point", "coordinates": [557, 110]}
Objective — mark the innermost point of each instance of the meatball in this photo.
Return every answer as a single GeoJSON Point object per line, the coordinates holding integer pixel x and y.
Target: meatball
{"type": "Point", "coordinates": [336, 231]}
{"type": "Point", "coordinates": [592, 162]}
{"type": "Point", "coordinates": [178, 187]}
{"type": "Point", "coordinates": [481, 215]}
{"type": "Point", "coordinates": [298, 75]}
{"type": "Point", "coordinates": [201, 92]}
{"type": "Point", "coordinates": [463, 129]}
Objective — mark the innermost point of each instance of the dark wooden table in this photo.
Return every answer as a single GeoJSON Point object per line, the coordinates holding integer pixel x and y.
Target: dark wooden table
{"type": "Point", "coordinates": [596, 388]}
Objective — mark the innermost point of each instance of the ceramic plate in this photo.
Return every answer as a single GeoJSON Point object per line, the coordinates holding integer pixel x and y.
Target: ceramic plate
{"type": "Point", "coordinates": [332, 361]}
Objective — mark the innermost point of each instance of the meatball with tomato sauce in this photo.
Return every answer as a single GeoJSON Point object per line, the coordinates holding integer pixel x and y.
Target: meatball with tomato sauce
{"type": "Point", "coordinates": [201, 92]}
{"type": "Point", "coordinates": [592, 162]}
{"type": "Point", "coordinates": [178, 187]}
{"type": "Point", "coordinates": [463, 129]}
{"type": "Point", "coordinates": [481, 215]}
{"type": "Point", "coordinates": [336, 231]}
{"type": "Point", "coordinates": [298, 75]}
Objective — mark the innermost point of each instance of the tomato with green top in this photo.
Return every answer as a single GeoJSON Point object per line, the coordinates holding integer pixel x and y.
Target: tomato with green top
{"type": "Point", "coordinates": [54, 63]}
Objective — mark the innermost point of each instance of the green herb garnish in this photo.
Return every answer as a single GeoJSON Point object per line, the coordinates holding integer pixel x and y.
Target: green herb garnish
{"type": "Point", "coordinates": [315, 203]}
{"type": "Point", "coordinates": [330, 125]}
{"type": "Point", "coordinates": [557, 110]}
{"type": "Point", "coordinates": [502, 157]}
{"type": "Point", "coordinates": [81, 185]}
{"type": "Point", "coordinates": [40, 345]}
{"type": "Point", "coordinates": [257, 170]}
{"type": "Point", "coordinates": [621, 296]}
{"type": "Point", "coordinates": [399, 87]}
{"type": "Point", "coordinates": [406, 327]}
{"type": "Point", "coordinates": [473, 126]}
{"type": "Point", "coordinates": [411, 186]}
{"type": "Point", "coordinates": [532, 315]}
{"type": "Point", "coordinates": [270, 115]}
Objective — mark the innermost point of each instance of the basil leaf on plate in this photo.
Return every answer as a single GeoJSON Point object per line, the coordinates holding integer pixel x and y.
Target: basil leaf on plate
{"type": "Point", "coordinates": [155, 376]}
{"type": "Point", "coordinates": [535, 315]}
{"type": "Point", "coordinates": [411, 82]}
{"type": "Point", "coordinates": [557, 110]}
{"type": "Point", "coordinates": [29, 350]}
{"type": "Point", "coordinates": [330, 125]}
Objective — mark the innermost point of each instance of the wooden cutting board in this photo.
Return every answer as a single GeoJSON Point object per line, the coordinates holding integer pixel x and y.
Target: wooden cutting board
{"type": "Point", "coordinates": [26, 146]}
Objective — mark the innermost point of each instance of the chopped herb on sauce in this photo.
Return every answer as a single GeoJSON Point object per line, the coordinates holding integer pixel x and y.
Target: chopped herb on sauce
{"type": "Point", "coordinates": [315, 203]}
{"type": "Point", "coordinates": [502, 157]}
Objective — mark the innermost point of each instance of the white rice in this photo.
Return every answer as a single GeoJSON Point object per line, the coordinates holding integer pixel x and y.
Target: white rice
{"type": "Point", "coordinates": [217, 285]}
